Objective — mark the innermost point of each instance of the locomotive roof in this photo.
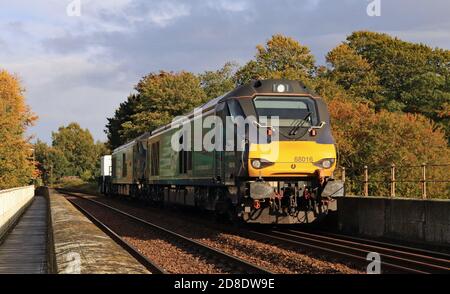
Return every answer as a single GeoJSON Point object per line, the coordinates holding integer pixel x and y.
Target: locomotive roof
{"type": "Point", "coordinates": [132, 142]}
{"type": "Point", "coordinates": [248, 90]}
{"type": "Point", "coordinates": [268, 87]}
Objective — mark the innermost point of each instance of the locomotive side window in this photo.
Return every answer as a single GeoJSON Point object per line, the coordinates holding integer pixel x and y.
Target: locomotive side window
{"type": "Point", "coordinates": [235, 109]}
{"type": "Point", "coordinates": [114, 166]}
{"type": "Point", "coordinates": [189, 160]}
{"type": "Point", "coordinates": [124, 166]}
{"type": "Point", "coordinates": [182, 158]}
{"type": "Point", "coordinates": [155, 159]}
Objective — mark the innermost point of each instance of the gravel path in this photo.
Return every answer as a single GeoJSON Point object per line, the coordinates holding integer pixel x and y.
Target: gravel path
{"type": "Point", "coordinates": [224, 237]}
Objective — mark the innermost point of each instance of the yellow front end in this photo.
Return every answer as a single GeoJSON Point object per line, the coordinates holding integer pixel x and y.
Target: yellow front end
{"type": "Point", "coordinates": [291, 159]}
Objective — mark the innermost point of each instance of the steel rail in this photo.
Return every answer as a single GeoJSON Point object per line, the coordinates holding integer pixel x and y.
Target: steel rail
{"type": "Point", "coordinates": [396, 256]}
{"type": "Point", "coordinates": [397, 260]}
{"type": "Point", "coordinates": [420, 251]}
{"type": "Point", "coordinates": [326, 249]}
{"type": "Point", "coordinates": [146, 262]}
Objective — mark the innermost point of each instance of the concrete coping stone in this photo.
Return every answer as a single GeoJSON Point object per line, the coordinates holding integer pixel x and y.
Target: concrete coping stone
{"type": "Point", "coordinates": [80, 247]}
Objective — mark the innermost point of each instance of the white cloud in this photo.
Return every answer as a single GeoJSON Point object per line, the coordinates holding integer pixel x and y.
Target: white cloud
{"type": "Point", "coordinates": [229, 5]}
{"type": "Point", "coordinates": [113, 6]}
{"type": "Point", "coordinates": [167, 12]}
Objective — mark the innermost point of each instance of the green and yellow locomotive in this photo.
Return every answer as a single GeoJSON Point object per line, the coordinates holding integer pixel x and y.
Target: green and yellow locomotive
{"type": "Point", "coordinates": [272, 161]}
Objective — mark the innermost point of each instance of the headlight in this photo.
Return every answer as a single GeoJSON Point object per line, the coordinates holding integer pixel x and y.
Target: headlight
{"type": "Point", "coordinates": [256, 163]}
{"type": "Point", "coordinates": [261, 163]}
{"type": "Point", "coordinates": [325, 163]}
{"type": "Point", "coordinates": [281, 88]}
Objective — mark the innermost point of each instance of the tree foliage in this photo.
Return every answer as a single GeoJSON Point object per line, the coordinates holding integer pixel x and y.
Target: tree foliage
{"type": "Point", "coordinates": [216, 83]}
{"type": "Point", "coordinates": [123, 114]}
{"type": "Point", "coordinates": [16, 163]}
{"type": "Point", "coordinates": [73, 153]}
{"type": "Point", "coordinates": [354, 73]}
{"type": "Point", "coordinates": [280, 58]}
{"type": "Point", "coordinates": [78, 147]}
{"type": "Point", "coordinates": [413, 77]}
{"type": "Point", "coordinates": [52, 163]}
{"type": "Point", "coordinates": [379, 138]}
{"type": "Point", "coordinates": [160, 97]}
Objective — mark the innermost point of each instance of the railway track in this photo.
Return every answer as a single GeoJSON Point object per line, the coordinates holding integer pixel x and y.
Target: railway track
{"type": "Point", "coordinates": [394, 258]}
{"type": "Point", "coordinates": [147, 263]}
{"type": "Point", "coordinates": [235, 264]}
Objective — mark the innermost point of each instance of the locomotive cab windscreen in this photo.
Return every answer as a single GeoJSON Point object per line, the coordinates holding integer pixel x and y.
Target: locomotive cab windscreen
{"type": "Point", "coordinates": [294, 115]}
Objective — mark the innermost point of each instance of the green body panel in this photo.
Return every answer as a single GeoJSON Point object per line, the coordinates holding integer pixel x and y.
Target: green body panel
{"type": "Point", "coordinates": [203, 162]}
{"type": "Point", "coordinates": [121, 176]}
{"type": "Point", "coordinates": [168, 164]}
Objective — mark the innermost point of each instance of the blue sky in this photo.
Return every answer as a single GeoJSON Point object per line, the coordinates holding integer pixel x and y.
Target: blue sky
{"type": "Point", "coordinates": [79, 68]}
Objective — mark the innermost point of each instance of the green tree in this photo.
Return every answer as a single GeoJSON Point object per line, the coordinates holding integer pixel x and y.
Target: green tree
{"type": "Point", "coordinates": [52, 163]}
{"type": "Point", "coordinates": [56, 162]}
{"type": "Point", "coordinates": [16, 162]}
{"type": "Point", "coordinates": [354, 74]}
{"type": "Point", "coordinates": [428, 95]}
{"type": "Point", "coordinates": [114, 128]}
{"type": "Point", "coordinates": [280, 58]}
{"type": "Point", "coordinates": [406, 68]}
{"type": "Point", "coordinates": [217, 83]}
{"type": "Point", "coordinates": [78, 148]}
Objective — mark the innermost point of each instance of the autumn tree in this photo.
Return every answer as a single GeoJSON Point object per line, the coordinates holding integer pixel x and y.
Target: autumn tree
{"type": "Point", "coordinates": [159, 98]}
{"type": "Point", "coordinates": [280, 58]}
{"type": "Point", "coordinates": [414, 77]}
{"type": "Point", "coordinates": [354, 73]}
{"type": "Point", "coordinates": [377, 139]}
{"type": "Point", "coordinates": [217, 83]}
{"type": "Point", "coordinates": [16, 161]}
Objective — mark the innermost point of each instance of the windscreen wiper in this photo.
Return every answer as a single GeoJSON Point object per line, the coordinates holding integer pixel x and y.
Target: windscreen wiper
{"type": "Point", "coordinates": [298, 125]}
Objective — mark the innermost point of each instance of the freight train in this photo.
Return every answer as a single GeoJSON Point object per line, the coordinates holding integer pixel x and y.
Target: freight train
{"type": "Point", "coordinates": [272, 160]}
